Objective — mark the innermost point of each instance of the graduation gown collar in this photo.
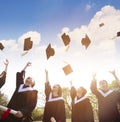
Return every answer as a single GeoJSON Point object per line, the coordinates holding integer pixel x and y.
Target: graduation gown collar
{"type": "Point", "coordinates": [22, 89]}
{"type": "Point", "coordinates": [105, 94]}
{"type": "Point", "coordinates": [54, 99]}
{"type": "Point", "coordinates": [79, 100]}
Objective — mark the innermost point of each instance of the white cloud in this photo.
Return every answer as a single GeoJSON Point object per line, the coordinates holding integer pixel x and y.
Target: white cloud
{"type": "Point", "coordinates": [35, 37]}
{"type": "Point", "coordinates": [100, 55]}
{"type": "Point", "coordinates": [89, 6]}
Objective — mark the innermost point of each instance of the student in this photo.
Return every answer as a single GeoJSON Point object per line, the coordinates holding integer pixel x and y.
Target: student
{"type": "Point", "coordinates": [107, 101]}
{"type": "Point", "coordinates": [23, 100]}
{"type": "Point", "coordinates": [54, 106]}
{"type": "Point", "coordinates": [3, 74]}
{"type": "Point", "coordinates": [81, 106]}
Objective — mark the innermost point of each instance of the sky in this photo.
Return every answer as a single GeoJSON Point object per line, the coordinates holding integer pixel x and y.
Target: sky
{"type": "Point", "coordinates": [44, 21]}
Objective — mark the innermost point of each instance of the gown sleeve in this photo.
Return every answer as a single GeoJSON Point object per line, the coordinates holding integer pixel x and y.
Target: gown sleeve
{"type": "Point", "coordinates": [47, 90]}
{"type": "Point", "coordinates": [2, 78]}
{"type": "Point", "coordinates": [72, 93]}
{"type": "Point", "coordinates": [20, 76]}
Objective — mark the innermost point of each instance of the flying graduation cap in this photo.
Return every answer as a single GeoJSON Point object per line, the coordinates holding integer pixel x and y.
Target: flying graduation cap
{"type": "Point", "coordinates": [66, 40]}
{"type": "Point", "coordinates": [28, 44]}
{"type": "Point", "coordinates": [86, 41]}
{"type": "Point", "coordinates": [67, 69]}
{"type": "Point", "coordinates": [101, 24]}
{"type": "Point", "coordinates": [117, 35]}
{"type": "Point", "coordinates": [1, 46]}
{"type": "Point", "coordinates": [49, 51]}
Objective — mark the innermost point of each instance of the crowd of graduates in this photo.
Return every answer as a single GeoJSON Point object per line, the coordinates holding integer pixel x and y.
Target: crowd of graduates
{"type": "Point", "coordinates": [24, 100]}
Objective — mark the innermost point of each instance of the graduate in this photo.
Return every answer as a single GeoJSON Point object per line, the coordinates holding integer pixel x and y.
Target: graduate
{"type": "Point", "coordinates": [23, 100]}
{"type": "Point", "coordinates": [108, 100]}
{"type": "Point", "coordinates": [81, 106]}
{"type": "Point", "coordinates": [3, 74]}
{"type": "Point", "coordinates": [54, 106]}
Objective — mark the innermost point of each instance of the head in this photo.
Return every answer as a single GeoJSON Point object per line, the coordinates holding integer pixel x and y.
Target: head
{"type": "Point", "coordinates": [103, 85]}
{"type": "Point", "coordinates": [57, 90]}
{"type": "Point", "coordinates": [29, 81]}
{"type": "Point", "coordinates": [81, 91]}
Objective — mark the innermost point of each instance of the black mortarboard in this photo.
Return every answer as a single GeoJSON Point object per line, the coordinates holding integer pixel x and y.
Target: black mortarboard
{"type": "Point", "coordinates": [67, 69]}
{"type": "Point", "coordinates": [28, 44]}
{"type": "Point", "coordinates": [118, 33]}
{"type": "Point", "coordinates": [101, 24]}
{"type": "Point", "coordinates": [49, 51]}
{"type": "Point", "coordinates": [1, 46]}
{"type": "Point", "coordinates": [86, 41]}
{"type": "Point", "coordinates": [66, 39]}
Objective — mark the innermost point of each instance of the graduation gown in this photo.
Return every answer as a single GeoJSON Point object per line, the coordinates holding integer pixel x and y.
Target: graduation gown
{"type": "Point", "coordinates": [107, 104]}
{"type": "Point", "coordinates": [81, 108]}
{"type": "Point", "coordinates": [54, 107]}
{"type": "Point", "coordinates": [2, 78]}
{"type": "Point", "coordinates": [23, 99]}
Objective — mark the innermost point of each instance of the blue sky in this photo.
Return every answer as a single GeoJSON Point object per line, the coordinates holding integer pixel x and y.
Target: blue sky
{"type": "Point", "coordinates": [46, 16]}
{"type": "Point", "coordinates": [45, 21]}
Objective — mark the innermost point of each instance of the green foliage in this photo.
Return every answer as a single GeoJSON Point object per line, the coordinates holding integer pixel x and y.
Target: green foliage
{"type": "Point", "coordinates": [3, 100]}
{"type": "Point", "coordinates": [38, 114]}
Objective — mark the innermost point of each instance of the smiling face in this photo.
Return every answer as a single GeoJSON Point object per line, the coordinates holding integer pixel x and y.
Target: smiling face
{"type": "Point", "coordinates": [81, 92]}
{"type": "Point", "coordinates": [103, 85]}
{"type": "Point", "coordinates": [29, 81]}
{"type": "Point", "coordinates": [56, 90]}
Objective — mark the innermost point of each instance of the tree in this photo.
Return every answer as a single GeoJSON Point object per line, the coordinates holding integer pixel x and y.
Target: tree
{"type": "Point", "coordinates": [3, 100]}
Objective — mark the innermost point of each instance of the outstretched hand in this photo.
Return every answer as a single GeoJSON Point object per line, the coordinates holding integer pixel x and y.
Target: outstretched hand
{"type": "Point", "coordinates": [112, 72]}
{"type": "Point", "coordinates": [28, 64]}
{"type": "Point", "coordinates": [94, 75]}
{"type": "Point", "coordinates": [6, 62]}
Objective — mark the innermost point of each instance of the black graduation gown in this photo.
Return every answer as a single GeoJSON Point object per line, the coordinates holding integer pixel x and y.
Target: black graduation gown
{"type": "Point", "coordinates": [81, 108]}
{"type": "Point", "coordinates": [54, 107]}
{"type": "Point", "coordinates": [23, 99]}
{"type": "Point", "coordinates": [2, 78]}
{"type": "Point", "coordinates": [107, 104]}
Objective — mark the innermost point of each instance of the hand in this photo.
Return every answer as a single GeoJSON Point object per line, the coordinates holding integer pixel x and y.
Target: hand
{"type": "Point", "coordinates": [70, 82]}
{"type": "Point", "coordinates": [53, 119]}
{"type": "Point", "coordinates": [19, 114]}
{"type": "Point", "coordinates": [6, 62]}
{"type": "Point", "coordinates": [112, 72]}
{"type": "Point", "coordinates": [94, 75]}
{"type": "Point", "coordinates": [28, 64]}
{"type": "Point", "coordinates": [46, 71]}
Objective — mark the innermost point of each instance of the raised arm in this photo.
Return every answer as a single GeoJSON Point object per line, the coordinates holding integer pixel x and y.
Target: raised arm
{"type": "Point", "coordinates": [21, 75]}
{"type": "Point", "coordinates": [115, 76]}
{"type": "Point", "coordinates": [72, 91]}
{"type": "Point", "coordinates": [5, 70]}
{"type": "Point", "coordinates": [47, 85]}
{"type": "Point", "coordinates": [6, 65]}
{"type": "Point", "coordinates": [28, 64]}
{"type": "Point", "coordinates": [93, 86]}
{"type": "Point", "coordinates": [3, 74]}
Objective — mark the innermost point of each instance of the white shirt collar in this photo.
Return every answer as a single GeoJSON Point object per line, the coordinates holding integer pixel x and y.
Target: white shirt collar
{"type": "Point", "coordinates": [21, 89]}
{"type": "Point", "coordinates": [105, 94]}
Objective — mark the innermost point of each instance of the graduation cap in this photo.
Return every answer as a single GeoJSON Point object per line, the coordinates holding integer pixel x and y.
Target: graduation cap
{"type": "Point", "coordinates": [67, 69]}
{"type": "Point", "coordinates": [28, 44]}
{"type": "Point", "coordinates": [66, 40]}
{"type": "Point", "coordinates": [101, 24]}
{"type": "Point", "coordinates": [49, 51]}
{"type": "Point", "coordinates": [1, 46]}
{"type": "Point", "coordinates": [86, 41]}
{"type": "Point", "coordinates": [118, 33]}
